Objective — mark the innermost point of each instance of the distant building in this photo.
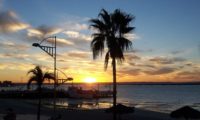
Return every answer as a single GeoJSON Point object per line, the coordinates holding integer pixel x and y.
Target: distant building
{"type": "Point", "coordinates": [6, 83]}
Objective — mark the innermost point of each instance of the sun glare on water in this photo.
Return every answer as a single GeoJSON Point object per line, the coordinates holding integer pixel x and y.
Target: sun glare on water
{"type": "Point", "coordinates": [89, 80]}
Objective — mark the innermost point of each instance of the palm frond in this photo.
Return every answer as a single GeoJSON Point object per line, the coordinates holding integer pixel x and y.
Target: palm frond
{"type": "Point", "coordinates": [106, 60]}
{"type": "Point", "coordinates": [105, 17]}
{"type": "Point", "coordinates": [49, 76]}
{"type": "Point", "coordinates": [39, 72]}
{"type": "Point", "coordinates": [97, 46]}
{"type": "Point", "coordinates": [112, 28]}
{"type": "Point", "coordinates": [97, 24]}
{"type": "Point", "coordinates": [103, 12]}
{"type": "Point", "coordinates": [127, 30]}
{"type": "Point", "coordinates": [119, 55]}
{"type": "Point", "coordinates": [120, 60]}
{"type": "Point", "coordinates": [37, 76]}
{"type": "Point", "coordinates": [124, 43]}
{"type": "Point", "coordinates": [128, 18]}
{"type": "Point", "coordinates": [31, 79]}
{"type": "Point", "coordinates": [33, 71]}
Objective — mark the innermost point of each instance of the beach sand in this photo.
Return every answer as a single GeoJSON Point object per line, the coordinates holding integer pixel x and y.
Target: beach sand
{"type": "Point", "coordinates": [27, 111]}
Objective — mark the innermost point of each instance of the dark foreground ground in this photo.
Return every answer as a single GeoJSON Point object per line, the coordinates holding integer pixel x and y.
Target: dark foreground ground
{"type": "Point", "coordinates": [26, 110]}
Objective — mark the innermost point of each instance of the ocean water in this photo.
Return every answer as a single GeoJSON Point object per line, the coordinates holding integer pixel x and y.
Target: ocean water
{"type": "Point", "coordinates": [162, 98]}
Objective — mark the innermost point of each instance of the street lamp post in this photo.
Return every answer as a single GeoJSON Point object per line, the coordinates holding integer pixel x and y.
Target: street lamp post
{"type": "Point", "coordinates": [50, 50]}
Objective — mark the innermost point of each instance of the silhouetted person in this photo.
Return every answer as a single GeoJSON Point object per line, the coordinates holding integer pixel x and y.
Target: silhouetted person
{"type": "Point", "coordinates": [11, 115]}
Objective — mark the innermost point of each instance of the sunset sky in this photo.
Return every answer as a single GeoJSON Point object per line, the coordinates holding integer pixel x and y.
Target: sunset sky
{"type": "Point", "coordinates": [166, 41]}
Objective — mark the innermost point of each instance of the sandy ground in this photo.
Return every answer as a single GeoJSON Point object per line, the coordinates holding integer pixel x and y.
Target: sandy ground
{"type": "Point", "coordinates": [27, 111]}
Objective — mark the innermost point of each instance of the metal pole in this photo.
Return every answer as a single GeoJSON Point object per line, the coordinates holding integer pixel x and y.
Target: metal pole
{"type": "Point", "coordinates": [55, 83]}
{"type": "Point", "coordinates": [50, 51]}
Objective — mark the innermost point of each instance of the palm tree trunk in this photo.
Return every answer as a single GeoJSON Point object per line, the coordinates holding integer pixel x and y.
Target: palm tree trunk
{"type": "Point", "coordinates": [114, 88]}
{"type": "Point", "coordinates": [39, 103]}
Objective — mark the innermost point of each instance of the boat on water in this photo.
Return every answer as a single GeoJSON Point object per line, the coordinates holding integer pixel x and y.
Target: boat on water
{"type": "Point", "coordinates": [78, 92]}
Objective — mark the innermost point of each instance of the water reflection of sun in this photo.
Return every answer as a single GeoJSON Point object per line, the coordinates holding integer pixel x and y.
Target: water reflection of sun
{"type": "Point", "coordinates": [89, 80]}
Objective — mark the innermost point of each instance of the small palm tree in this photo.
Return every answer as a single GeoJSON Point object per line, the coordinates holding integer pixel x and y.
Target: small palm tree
{"type": "Point", "coordinates": [39, 77]}
{"type": "Point", "coordinates": [112, 29]}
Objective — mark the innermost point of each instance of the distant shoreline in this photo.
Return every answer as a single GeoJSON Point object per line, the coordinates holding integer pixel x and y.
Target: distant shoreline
{"type": "Point", "coordinates": [128, 83]}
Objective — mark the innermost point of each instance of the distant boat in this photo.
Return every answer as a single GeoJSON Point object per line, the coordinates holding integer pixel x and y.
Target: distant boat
{"type": "Point", "coordinates": [78, 92]}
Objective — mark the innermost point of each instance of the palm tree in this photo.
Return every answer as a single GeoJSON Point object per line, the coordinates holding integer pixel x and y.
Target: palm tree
{"type": "Point", "coordinates": [111, 30]}
{"type": "Point", "coordinates": [39, 77]}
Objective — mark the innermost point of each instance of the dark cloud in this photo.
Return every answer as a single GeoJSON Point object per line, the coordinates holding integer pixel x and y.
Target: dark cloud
{"type": "Point", "coordinates": [131, 57]}
{"type": "Point", "coordinates": [132, 64]}
{"type": "Point", "coordinates": [42, 31]}
{"type": "Point", "coordinates": [80, 40]}
{"type": "Point", "coordinates": [188, 75]}
{"type": "Point", "coordinates": [164, 70]}
{"type": "Point", "coordinates": [135, 50]}
{"type": "Point", "coordinates": [74, 55]}
{"type": "Point", "coordinates": [140, 65]}
{"type": "Point", "coordinates": [78, 55]}
{"type": "Point", "coordinates": [176, 52]}
{"type": "Point", "coordinates": [61, 42]}
{"type": "Point", "coordinates": [191, 73]}
{"type": "Point", "coordinates": [166, 60]}
{"type": "Point", "coordinates": [178, 59]}
{"type": "Point", "coordinates": [146, 65]}
{"type": "Point", "coordinates": [161, 60]}
{"type": "Point", "coordinates": [9, 22]}
{"type": "Point", "coordinates": [13, 46]}
{"type": "Point", "coordinates": [189, 64]}
{"type": "Point", "coordinates": [16, 66]}
{"type": "Point", "coordinates": [14, 55]}
{"type": "Point", "coordinates": [61, 60]}
{"type": "Point", "coordinates": [131, 72]}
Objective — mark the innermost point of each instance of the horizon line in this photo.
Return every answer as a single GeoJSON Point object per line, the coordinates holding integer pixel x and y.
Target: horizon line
{"type": "Point", "coordinates": [131, 83]}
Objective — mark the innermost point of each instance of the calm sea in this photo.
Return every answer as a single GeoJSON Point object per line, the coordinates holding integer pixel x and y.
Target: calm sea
{"type": "Point", "coordinates": [163, 98]}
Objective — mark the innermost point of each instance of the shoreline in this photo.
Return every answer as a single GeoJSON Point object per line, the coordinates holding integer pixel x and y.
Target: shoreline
{"type": "Point", "coordinates": [24, 109]}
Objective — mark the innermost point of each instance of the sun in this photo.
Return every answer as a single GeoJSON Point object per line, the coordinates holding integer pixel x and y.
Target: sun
{"type": "Point", "coordinates": [89, 80]}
